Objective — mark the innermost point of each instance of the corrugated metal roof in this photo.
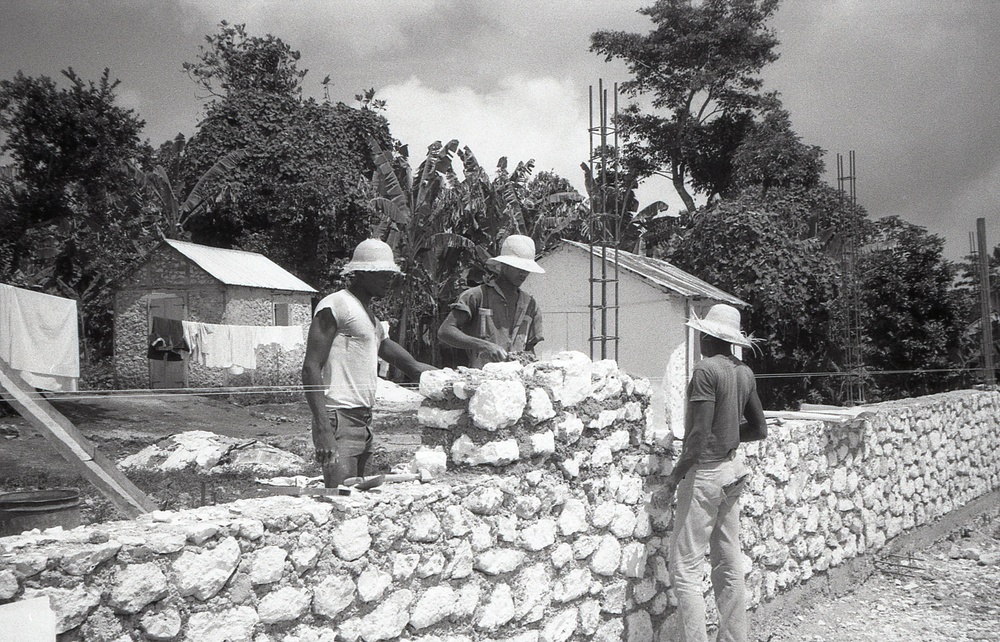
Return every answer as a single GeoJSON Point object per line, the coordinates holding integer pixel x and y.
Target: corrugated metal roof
{"type": "Point", "coordinates": [664, 275]}
{"type": "Point", "coordinates": [236, 267]}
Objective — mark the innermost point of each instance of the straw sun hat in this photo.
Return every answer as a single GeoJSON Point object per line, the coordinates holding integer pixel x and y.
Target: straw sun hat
{"type": "Point", "coordinates": [722, 322]}
{"type": "Point", "coordinates": [372, 255]}
{"type": "Point", "coordinates": [518, 251]}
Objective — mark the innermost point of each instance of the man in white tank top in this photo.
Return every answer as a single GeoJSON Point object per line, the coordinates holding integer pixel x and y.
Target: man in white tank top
{"type": "Point", "coordinates": [340, 371]}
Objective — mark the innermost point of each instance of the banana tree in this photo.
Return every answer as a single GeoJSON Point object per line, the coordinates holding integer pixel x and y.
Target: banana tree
{"type": "Point", "coordinates": [419, 218]}
{"type": "Point", "coordinates": [175, 213]}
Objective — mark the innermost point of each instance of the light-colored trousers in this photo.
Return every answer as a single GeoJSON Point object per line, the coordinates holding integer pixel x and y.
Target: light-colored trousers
{"type": "Point", "coordinates": [707, 520]}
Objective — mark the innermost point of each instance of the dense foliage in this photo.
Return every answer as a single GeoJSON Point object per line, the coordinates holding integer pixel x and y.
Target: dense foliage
{"type": "Point", "coordinates": [298, 196]}
{"type": "Point", "coordinates": [67, 227]}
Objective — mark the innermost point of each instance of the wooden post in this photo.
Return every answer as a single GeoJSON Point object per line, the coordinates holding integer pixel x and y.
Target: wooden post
{"type": "Point", "coordinates": [72, 445]}
{"type": "Point", "coordinates": [989, 373]}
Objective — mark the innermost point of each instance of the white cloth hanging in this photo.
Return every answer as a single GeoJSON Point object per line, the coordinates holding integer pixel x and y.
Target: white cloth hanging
{"type": "Point", "coordinates": [39, 338]}
{"type": "Point", "coordinates": [224, 346]}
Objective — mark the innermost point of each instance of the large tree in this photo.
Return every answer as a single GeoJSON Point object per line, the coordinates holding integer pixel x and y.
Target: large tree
{"type": "Point", "coordinates": [298, 194]}
{"type": "Point", "coordinates": [67, 228]}
{"type": "Point", "coordinates": [699, 66]}
{"type": "Point", "coordinates": [763, 251]}
{"type": "Point", "coordinates": [912, 318]}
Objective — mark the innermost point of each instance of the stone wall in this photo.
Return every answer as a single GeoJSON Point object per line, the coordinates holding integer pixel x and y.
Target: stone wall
{"type": "Point", "coordinates": [552, 541]}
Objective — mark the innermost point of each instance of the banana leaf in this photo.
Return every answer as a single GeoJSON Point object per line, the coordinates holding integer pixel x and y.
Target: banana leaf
{"type": "Point", "coordinates": [197, 196]}
{"type": "Point", "coordinates": [386, 176]}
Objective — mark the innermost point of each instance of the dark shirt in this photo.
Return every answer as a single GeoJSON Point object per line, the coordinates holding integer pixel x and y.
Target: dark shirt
{"type": "Point", "coordinates": [728, 382]}
{"type": "Point", "coordinates": [515, 326]}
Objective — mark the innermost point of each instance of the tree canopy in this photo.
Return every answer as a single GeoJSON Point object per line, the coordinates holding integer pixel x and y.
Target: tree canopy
{"type": "Point", "coordinates": [699, 66]}
{"type": "Point", "coordinates": [67, 227]}
{"type": "Point", "coordinates": [305, 160]}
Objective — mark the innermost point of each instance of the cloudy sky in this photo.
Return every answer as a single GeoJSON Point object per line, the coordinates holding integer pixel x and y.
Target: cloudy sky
{"type": "Point", "coordinates": [909, 85]}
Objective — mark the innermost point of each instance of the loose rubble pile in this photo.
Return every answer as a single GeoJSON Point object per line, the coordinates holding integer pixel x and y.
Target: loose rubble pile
{"type": "Point", "coordinates": [207, 452]}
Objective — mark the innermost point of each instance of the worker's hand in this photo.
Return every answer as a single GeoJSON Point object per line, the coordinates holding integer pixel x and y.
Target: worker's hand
{"type": "Point", "coordinates": [493, 351]}
{"type": "Point", "coordinates": [663, 497]}
{"type": "Point", "coordinates": [323, 439]}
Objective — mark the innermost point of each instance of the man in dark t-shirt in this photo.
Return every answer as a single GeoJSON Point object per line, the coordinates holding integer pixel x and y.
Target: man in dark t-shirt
{"type": "Point", "coordinates": [709, 477]}
{"type": "Point", "coordinates": [496, 319]}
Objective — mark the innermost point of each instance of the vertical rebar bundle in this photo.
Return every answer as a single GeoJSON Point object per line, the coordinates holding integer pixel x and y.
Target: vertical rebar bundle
{"type": "Point", "coordinates": [851, 298]}
{"type": "Point", "coordinates": [604, 226]}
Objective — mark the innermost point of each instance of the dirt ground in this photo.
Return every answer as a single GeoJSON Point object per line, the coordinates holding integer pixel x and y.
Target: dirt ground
{"type": "Point", "coordinates": [948, 590]}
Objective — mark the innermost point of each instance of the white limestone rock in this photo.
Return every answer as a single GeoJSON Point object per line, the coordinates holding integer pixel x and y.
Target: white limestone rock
{"type": "Point", "coordinates": [494, 453]}
{"type": "Point", "coordinates": [389, 619]}
{"type": "Point", "coordinates": [633, 560]}
{"type": "Point", "coordinates": [498, 561]}
{"type": "Point", "coordinates": [440, 418]}
{"type": "Point", "coordinates": [539, 406]}
{"type": "Point", "coordinates": [204, 574]}
{"type": "Point", "coordinates": [504, 369]}
{"type": "Point", "coordinates": [8, 584]}
{"type": "Point", "coordinates": [136, 586]}
{"type": "Point", "coordinates": [574, 584]}
{"type": "Point", "coordinates": [538, 536]}
{"type": "Point", "coordinates": [424, 527]}
{"type": "Point", "coordinates": [433, 460]}
{"type": "Point", "coordinates": [560, 627]}
{"type": "Point", "coordinates": [532, 593]}
{"type": "Point", "coordinates": [497, 404]}
{"type": "Point", "coordinates": [403, 565]}
{"type": "Point", "coordinates": [485, 500]}
{"type": "Point", "coordinates": [351, 539]}
{"type": "Point", "coordinates": [437, 384]}
{"type": "Point", "coordinates": [372, 583]}
{"type": "Point", "coordinates": [268, 565]}
{"type": "Point", "coordinates": [543, 444]}
{"type": "Point", "coordinates": [639, 627]}
{"type": "Point", "coordinates": [284, 605]}
{"type": "Point", "coordinates": [70, 605]}
{"type": "Point", "coordinates": [573, 518]}
{"type": "Point", "coordinates": [161, 625]}
{"type": "Point", "coordinates": [334, 594]}
{"type": "Point", "coordinates": [606, 558]}
{"type": "Point", "coordinates": [461, 564]}
{"type": "Point", "coordinates": [569, 429]}
{"type": "Point", "coordinates": [81, 560]}
{"type": "Point", "coordinates": [436, 604]}
{"type": "Point", "coordinates": [230, 625]}
{"type": "Point", "coordinates": [499, 610]}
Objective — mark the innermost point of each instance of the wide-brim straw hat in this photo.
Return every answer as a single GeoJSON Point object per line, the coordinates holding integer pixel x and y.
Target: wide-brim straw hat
{"type": "Point", "coordinates": [372, 255]}
{"type": "Point", "coordinates": [518, 251]}
{"type": "Point", "coordinates": [722, 322]}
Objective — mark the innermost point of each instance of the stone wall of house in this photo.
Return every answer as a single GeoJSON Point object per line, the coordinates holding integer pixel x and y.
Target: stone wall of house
{"type": "Point", "coordinates": [539, 530]}
{"type": "Point", "coordinates": [207, 303]}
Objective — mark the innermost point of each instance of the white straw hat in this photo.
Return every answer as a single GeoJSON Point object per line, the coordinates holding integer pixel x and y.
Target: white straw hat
{"type": "Point", "coordinates": [518, 251]}
{"type": "Point", "coordinates": [372, 255]}
{"type": "Point", "coordinates": [722, 322]}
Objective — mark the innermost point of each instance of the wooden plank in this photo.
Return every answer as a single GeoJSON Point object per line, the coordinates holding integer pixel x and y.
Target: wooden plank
{"type": "Point", "coordinates": [806, 416]}
{"type": "Point", "coordinates": [69, 442]}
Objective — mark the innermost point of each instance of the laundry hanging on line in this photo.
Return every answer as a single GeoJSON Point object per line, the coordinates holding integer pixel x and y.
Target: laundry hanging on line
{"type": "Point", "coordinates": [39, 338]}
{"type": "Point", "coordinates": [166, 340]}
{"type": "Point", "coordinates": [224, 346]}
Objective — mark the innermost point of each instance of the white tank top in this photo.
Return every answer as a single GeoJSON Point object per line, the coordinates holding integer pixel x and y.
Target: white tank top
{"type": "Point", "coordinates": [351, 370]}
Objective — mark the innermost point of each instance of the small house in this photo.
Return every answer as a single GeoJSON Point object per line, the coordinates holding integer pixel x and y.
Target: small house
{"type": "Point", "coordinates": [653, 302]}
{"type": "Point", "coordinates": [188, 282]}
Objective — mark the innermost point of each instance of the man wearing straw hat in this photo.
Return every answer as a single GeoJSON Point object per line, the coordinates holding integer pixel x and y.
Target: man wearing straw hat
{"type": "Point", "coordinates": [494, 320]}
{"type": "Point", "coordinates": [709, 477]}
{"type": "Point", "coordinates": [340, 371]}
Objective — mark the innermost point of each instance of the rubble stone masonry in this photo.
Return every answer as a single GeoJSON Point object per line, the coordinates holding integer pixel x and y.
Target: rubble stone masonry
{"type": "Point", "coordinates": [539, 531]}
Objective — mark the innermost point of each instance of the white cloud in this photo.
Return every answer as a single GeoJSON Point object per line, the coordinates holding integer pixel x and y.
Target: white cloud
{"type": "Point", "coordinates": [524, 118]}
